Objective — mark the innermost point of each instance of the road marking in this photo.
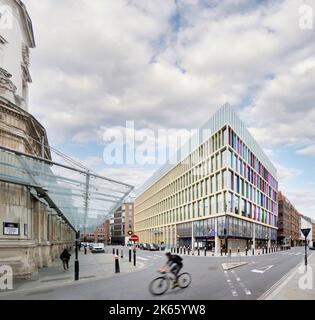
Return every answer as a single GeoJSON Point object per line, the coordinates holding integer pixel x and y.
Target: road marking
{"type": "Point", "coordinates": [228, 280]}
{"type": "Point", "coordinates": [155, 255]}
{"type": "Point", "coordinates": [144, 259]}
{"type": "Point", "coordinates": [297, 254]}
{"type": "Point", "coordinates": [234, 293]}
{"type": "Point", "coordinates": [238, 279]}
{"type": "Point", "coordinates": [262, 270]}
{"type": "Point", "coordinates": [247, 292]}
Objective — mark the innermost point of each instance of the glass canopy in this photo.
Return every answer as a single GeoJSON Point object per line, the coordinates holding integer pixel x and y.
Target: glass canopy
{"type": "Point", "coordinates": [81, 198]}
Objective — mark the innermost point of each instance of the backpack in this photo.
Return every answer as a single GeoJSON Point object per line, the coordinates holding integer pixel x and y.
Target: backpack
{"type": "Point", "coordinates": [178, 258]}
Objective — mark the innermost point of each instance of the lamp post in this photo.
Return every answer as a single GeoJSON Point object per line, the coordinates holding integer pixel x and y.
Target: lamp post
{"type": "Point", "coordinates": [76, 262]}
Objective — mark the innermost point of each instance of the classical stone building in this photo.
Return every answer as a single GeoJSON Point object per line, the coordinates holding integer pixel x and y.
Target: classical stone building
{"type": "Point", "coordinates": [31, 233]}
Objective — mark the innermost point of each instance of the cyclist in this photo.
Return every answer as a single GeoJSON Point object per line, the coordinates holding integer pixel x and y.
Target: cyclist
{"type": "Point", "coordinates": [174, 262]}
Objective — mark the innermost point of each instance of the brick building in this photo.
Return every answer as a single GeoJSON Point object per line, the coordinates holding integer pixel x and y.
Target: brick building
{"type": "Point", "coordinates": [122, 223]}
{"type": "Point", "coordinates": [288, 222]}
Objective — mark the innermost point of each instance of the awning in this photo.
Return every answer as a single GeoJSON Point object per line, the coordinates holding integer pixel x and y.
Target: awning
{"type": "Point", "coordinates": [82, 199]}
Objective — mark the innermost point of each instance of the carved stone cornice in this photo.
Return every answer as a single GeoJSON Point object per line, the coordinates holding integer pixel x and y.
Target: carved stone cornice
{"type": "Point", "coordinates": [5, 81]}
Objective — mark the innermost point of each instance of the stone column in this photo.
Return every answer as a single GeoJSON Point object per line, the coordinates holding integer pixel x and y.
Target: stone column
{"type": "Point", "coordinates": [217, 247]}
{"type": "Point", "coordinates": [254, 236]}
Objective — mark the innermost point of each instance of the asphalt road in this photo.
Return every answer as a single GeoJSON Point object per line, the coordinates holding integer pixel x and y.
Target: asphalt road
{"type": "Point", "coordinates": [209, 280]}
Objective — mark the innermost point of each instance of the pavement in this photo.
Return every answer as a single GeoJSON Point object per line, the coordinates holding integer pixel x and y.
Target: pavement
{"type": "Point", "coordinates": [91, 266]}
{"type": "Point", "coordinates": [209, 280]}
{"type": "Point", "coordinates": [297, 284]}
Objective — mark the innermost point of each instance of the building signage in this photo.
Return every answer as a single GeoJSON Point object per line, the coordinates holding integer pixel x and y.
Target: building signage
{"type": "Point", "coordinates": [11, 229]}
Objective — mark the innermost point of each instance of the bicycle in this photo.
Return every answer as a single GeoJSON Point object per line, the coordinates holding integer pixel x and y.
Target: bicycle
{"type": "Point", "coordinates": [161, 284]}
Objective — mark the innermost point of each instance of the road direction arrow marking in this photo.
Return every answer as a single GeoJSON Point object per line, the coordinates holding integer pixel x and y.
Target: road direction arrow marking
{"type": "Point", "coordinates": [262, 270]}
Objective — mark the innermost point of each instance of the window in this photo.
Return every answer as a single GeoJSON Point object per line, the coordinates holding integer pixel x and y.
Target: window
{"type": "Point", "coordinates": [219, 203]}
{"type": "Point", "coordinates": [236, 204]}
{"type": "Point", "coordinates": [200, 213]}
{"type": "Point", "coordinates": [224, 179]}
{"type": "Point", "coordinates": [212, 208]}
{"type": "Point", "coordinates": [218, 182]}
{"type": "Point", "coordinates": [243, 208]}
{"type": "Point", "coordinates": [205, 207]}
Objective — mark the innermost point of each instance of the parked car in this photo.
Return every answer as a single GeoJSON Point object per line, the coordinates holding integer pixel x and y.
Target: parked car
{"type": "Point", "coordinates": [146, 246]}
{"type": "Point", "coordinates": [98, 247]}
{"type": "Point", "coordinates": [91, 245]}
{"type": "Point", "coordinates": [154, 247]}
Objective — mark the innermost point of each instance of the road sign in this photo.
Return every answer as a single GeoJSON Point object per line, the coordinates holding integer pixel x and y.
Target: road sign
{"type": "Point", "coordinates": [134, 237]}
{"type": "Point", "coordinates": [306, 232]}
{"type": "Point", "coordinates": [211, 233]}
{"type": "Point", "coordinates": [262, 270]}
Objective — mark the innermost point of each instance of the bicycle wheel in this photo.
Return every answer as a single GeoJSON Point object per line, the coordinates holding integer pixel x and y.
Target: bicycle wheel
{"type": "Point", "coordinates": [159, 286]}
{"type": "Point", "coordinates": [184, 280]}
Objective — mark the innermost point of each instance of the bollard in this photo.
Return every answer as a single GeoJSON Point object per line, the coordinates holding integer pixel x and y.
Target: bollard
{"type": "Point", "coordinates": [177, 249]}
{"type": "Point", "coordinates": [205, 252]}
{"type": "Point", "coordinates": [134, 257]}
{"type": "Point", "coordinates": [269, 249]}
{"type": "Point", "coordinates": [238, 250]}
{"type": "Point", "coordinates": [253, 252]}
{"type": "Point", "coordinates": [117, 253]}
{"type": "Point", "coordinates": [184, 250]}
{"type": "Point", "coordinates": [181, 250]}
{"type": "Point", "coordinates": [263, 249]}
{"type": "Point", "coordinates": [221, 252]}
{"type": "Point", "coordinates": [198, 251]}
{"type": "Point", "coordinates": [129, 254]}
{"type": "Point", "coordinates": [121, 253]}
{"type": "Point", "coordinates": [230, 251]}
{"type": "Point", "coordinates": [246, 251]}
{"type": "Point", "coordinates": [113, 251]}
{"type": "Point", "coordinates": [188, 250]}
{"type": "Point", "coordinates": [117, 270]}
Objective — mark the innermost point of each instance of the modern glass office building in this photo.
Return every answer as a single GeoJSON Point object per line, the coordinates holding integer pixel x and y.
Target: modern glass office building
{"type": "Point", "coordinates": [221, 192]}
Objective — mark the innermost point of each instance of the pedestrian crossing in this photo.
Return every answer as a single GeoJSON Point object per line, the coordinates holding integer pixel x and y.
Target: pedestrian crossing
{"type": "Point", "coordinates": [150, 257]}
{"type": "Point", "coordinates": [292, 253]}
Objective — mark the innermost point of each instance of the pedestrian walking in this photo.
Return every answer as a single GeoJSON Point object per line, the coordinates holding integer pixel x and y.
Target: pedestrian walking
{"type": "Point", "coordinates": [65, 257]}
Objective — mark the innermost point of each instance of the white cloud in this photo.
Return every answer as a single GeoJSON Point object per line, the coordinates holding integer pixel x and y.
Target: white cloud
{"type": "Point", "coordinates": [171, 64]}
{"type": "Point", "coordinates": [99, 72]}
{"type": "Point", "coordinates": [309, 151]}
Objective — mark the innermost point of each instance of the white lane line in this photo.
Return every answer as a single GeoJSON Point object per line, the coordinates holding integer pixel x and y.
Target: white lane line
{"type": "Point", "coordinates": [238, 279]}
{"type": "Point", "coordinates": [234, 294]}
{"type": "Point", "coordinates": [247, 292]}
{"type": "Point", "coordinates": [144, 259]}
{"type": "Point", "coordinates": [262, 269]}
{"type": "Point", "coordinates": [297, 254]}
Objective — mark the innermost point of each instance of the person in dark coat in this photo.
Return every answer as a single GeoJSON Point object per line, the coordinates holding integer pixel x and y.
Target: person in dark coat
{"type": "Point", "coordinates": [65, 257]}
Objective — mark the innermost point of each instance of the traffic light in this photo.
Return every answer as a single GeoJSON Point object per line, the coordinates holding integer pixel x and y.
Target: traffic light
{"type": "Point", "coordinates": [130, 232]}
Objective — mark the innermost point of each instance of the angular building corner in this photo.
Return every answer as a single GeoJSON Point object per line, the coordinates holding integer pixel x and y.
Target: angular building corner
{"type": "Point", "coordinates": [220, 193]}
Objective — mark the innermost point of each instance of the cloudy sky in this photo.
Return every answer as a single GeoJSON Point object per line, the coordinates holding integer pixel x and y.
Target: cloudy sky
{"type": "Point", "coordinates": [171, 64]}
